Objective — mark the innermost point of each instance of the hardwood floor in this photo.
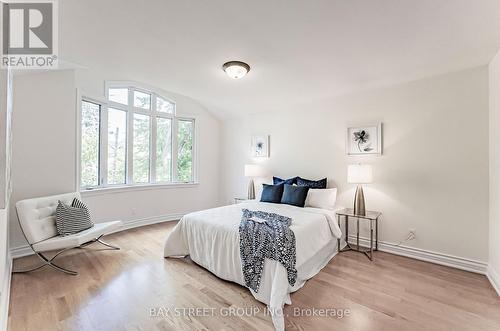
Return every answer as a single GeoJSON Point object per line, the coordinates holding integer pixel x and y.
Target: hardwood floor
{"type": "Point", "coordinates": [116, 290]}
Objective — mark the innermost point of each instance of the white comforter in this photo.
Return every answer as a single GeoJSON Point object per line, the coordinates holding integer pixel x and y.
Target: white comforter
{"type": "Point", "coordinates": [211, 238]}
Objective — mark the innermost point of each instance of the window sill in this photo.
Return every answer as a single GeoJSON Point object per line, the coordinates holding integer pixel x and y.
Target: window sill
{"type": "Point", "coordinates": [133, 188]}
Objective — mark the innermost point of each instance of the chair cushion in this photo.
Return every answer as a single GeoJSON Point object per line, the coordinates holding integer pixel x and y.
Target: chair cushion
{"type": "Point", "coordinates": [37, 216]}
{"type": "Point", "coordinates": [75, 240]}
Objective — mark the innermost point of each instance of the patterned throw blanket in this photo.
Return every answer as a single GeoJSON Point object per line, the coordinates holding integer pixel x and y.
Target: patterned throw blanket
{"type": "Point", "coordinates": [266, 235]}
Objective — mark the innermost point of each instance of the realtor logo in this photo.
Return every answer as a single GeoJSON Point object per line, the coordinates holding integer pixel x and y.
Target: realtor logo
{"type": "Point", "coordinates": [29, 34]}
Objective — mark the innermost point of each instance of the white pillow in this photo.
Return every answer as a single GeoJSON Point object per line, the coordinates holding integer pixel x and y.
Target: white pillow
{"type": "Point", "coordinates": [321, 198]}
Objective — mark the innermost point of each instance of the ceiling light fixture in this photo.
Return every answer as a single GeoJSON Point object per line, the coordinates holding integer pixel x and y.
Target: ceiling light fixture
{"type": "Point", "coordinates": [236, 69]}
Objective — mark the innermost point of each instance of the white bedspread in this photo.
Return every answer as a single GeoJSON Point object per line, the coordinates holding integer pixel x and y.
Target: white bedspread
{"type": "Point", "coordinates": [211, 238]}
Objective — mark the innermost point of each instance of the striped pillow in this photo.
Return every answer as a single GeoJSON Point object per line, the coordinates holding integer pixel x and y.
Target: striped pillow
{"type": "Point", "coordinates": [72, 219]}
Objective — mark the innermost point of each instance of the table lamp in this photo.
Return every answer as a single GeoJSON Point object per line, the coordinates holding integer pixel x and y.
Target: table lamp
{"type": "Point", "coordinates": [252, 171]}
{"type": "Point", "coordinates": [359, 174]}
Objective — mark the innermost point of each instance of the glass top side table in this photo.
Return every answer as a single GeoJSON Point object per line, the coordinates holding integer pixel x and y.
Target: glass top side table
{"type": "Point", "coordinates": [372, 217]}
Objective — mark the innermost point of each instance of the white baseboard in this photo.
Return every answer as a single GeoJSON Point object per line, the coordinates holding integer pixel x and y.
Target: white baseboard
{"type": "Point", "coordinates": [20, 251]}
{"type": "Point", "coordinates": [428, 256]}
{"type": "Point", "coordinates": [148, 221]}
{"type": "Point", "coordinates": [5, 297]}
{"type": "Point", "coordinates": [25, 250]}
{"type": "Point", "coordinates": [494, 278]}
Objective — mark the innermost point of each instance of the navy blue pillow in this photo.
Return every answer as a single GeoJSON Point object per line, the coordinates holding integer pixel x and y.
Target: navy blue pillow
{"type": "Point", "coordinates": [289, 181]}
{"type": "Point", "coordinates": [311, 183]}
{"type": "Point", "coordinates": [294, 195]}
{"type": "Point", "coordinates": [271, 193]}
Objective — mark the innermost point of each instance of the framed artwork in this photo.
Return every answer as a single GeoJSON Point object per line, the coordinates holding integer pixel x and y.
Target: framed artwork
{"type": "Point", "coordinates": [260, 146]}
{"type": "Point", "coordinates": [364, 140]}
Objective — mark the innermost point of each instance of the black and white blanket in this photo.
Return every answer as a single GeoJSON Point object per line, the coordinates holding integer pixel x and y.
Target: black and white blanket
{"type": "Point", "coordinates": [266, 235]}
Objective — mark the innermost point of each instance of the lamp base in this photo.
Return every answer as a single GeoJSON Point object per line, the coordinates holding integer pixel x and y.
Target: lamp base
{"type": "Point", "coordinates": [359, 202]}
{"type": "Point", "coordinates": [251, 190]}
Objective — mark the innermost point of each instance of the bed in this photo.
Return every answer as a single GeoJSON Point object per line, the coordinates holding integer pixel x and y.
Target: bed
{"type": "Point", "coordinates": [211, 238]}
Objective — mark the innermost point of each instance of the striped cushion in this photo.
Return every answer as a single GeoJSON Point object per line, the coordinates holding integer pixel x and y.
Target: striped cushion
{"type": "Point", "coordinates": [72, 219]}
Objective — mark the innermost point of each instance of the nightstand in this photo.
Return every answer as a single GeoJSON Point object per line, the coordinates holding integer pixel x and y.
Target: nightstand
{"type": "Point", "coordinates": [239, 200]}
{"type": "Point", "coordinates": [372, 217]}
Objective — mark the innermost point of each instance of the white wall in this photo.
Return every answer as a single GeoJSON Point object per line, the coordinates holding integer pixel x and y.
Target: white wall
{"type": "Point", "coordinates": [494, 171]}
{"type": "Point", "coordinates": [5, 135]}
{"type": "Point", "coordinates": [5, 185]}
{"type": "Point", "coordinates": [432, 177]}
{"type": "Point", "coordinates": [3, 152]}
{"type": "Point", "coordinates": [44, 158]}
{"type": "Point", "coordinates": [5, 263]}
{"type": "Point", "coordinates": [44, 122]}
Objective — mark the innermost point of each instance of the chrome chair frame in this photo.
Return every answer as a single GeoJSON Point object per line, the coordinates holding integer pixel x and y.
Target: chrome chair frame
{"type": "Point", "coordinates": [48, 262]}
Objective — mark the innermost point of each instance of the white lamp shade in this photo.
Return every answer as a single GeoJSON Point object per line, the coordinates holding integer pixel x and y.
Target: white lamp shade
{"type": "Point", "coordinates": [254, 170]}
{"type": "Point", "coordinates": [359, 174]}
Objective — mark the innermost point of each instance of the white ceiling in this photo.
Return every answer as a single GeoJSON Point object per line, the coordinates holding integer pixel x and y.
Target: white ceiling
{"type": "Point", "coordinates": [299, 51]}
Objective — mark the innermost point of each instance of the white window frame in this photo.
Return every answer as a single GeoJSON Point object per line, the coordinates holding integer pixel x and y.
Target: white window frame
{"type": "Point", "coordinates": [130, 111]}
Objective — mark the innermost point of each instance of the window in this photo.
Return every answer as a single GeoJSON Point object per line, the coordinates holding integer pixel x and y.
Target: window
{"type": "Point", "coordinates": [117, 146]}
{"type": "Point", "coordinates": [134, 137]}
{"type": "Point", "coordinates": [164, 106]}
{"type": "Point", "coordinates": [91, 117]}
{"type": "Point", "coordinates": [163, 149]}
{"type": "Point", "coordinates": [185, 149]}
{"type": "Point", "coordinates": [142, 100]}
{"type": "Point", "coordinates": [140, 149]}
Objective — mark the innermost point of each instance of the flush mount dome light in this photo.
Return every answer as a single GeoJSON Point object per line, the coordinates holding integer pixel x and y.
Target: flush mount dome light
{"type": "Point", "coordinates": [236, 69]}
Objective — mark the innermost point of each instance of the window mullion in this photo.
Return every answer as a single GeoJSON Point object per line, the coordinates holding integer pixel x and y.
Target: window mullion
{"type": "Point", "coordinates": [141, 111]}
{"type": "Point", "coordinates": [164, 115]}
{"type": "Point", "coordinates": [194, 152]}
{"type": "Point", "coordinates": [103, 146]}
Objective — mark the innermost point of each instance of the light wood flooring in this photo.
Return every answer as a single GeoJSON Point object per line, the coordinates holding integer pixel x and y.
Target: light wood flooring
{"type": "Point", "coordinates": [116, 290]}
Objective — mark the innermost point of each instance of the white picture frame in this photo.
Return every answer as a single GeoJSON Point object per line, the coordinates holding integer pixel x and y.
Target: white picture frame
{"type": "Point", "coordinates": [260, 146]}
{"type": "Point", "coordinates": [364, 140]}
